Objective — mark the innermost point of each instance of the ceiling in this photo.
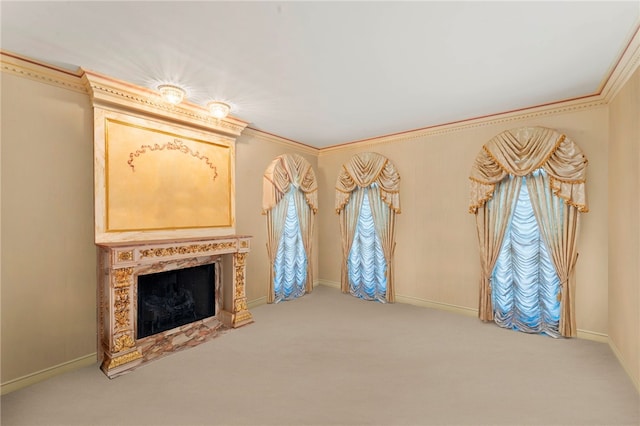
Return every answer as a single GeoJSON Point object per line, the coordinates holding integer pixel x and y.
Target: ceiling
{"type": "Point", "coordinates": [326, 73]}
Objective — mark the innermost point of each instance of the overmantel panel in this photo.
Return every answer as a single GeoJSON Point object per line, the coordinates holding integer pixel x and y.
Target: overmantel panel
{"type": "Point", "coordinates": [186, 188]}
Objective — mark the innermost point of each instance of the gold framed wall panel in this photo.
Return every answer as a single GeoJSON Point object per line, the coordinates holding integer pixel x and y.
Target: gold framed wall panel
{"type": "Point", "coordinates": [158, 180]}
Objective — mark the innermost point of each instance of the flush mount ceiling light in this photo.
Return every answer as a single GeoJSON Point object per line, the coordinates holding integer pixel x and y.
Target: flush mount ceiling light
{"type": "Point", "coordinates": [171, 93]}
{"type": "Point", "coordinates": [219, 109]}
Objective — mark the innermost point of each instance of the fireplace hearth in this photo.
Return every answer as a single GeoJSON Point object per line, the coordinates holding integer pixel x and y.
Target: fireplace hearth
{"type": "Point", "coordinates": [158, 297]}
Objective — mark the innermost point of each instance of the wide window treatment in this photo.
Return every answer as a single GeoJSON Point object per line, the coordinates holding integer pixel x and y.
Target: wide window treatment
{"type": "Point", "coordinates": [289, 178]}
{"type": "Point", "coordinates": [557, 197]}
{"type": "Point", "coordinates": [374, 175]}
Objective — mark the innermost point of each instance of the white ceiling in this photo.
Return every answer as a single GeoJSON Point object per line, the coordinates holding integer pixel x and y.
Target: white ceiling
{"type": "Point", "coordinates": [326, 73]}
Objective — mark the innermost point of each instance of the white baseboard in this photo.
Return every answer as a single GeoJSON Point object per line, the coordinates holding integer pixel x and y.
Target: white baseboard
{"type": "Point", "coordinates": [623, 363]}
{"type": "Point", "coordinates": [47, 373]}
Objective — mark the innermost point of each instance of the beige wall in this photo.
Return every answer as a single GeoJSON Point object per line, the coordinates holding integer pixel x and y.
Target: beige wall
{"type": "Point", "coordinates": [48, 311]}
{"type": "Point", "coordinates": [253, 155]}
{"type": "Point", "coordinates": [437, 258]}
{"type": "Point", "coordinates": [624, 226]}
{"type": "Point", "coordinates": [48, 255]}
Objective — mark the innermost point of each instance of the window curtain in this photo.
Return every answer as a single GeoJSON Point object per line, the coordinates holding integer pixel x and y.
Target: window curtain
{"type": "Point", "coordinates": [367, 262]}
{"type": "Point", "coordinates": [524, 282]}
{"type": "Point", "coordinates": [290, 265]}
{"type": "Point", "coordinates": [283, 173]}
{"type": "Point", "coordinates": [376, 173]}
{"type": "Point", "coordinates": [518, 153]}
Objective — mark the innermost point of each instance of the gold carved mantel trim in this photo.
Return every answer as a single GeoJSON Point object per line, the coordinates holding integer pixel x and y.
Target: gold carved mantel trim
{"type": "Point", "coordinates": [190, 249]}
{"type": "Point", "coordinates": [241, 314]}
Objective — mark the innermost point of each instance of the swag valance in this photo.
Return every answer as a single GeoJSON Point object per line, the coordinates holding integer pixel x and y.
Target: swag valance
{"type": "Point", "coordinates": [361, 171]}
{"type": "Point", "coordinates": [519, 152]}
{"type": "Point", "coordinates": [286, 170]}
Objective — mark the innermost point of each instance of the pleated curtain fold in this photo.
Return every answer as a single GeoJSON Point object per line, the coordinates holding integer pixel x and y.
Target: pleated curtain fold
{"type": "Point", "coordinates": [557, 196]}
{"type": "Point", "coordinates": [378, 174]}
{"type": "Point", "coordinates": [283, 172]}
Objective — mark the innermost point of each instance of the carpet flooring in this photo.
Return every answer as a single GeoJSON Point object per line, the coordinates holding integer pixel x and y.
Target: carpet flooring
{"type": "Point", "coordinates": [331, 359]}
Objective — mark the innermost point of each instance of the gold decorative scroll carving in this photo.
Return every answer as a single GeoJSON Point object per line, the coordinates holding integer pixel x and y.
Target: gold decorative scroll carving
{"type": "Point", "coordinates": [241, 304]}
{"type": "Point", "coordinates": [190, 249]}
{"type": "Point", "coordinates": [121, 308]}
{"type": "Point", "coordinates": [122, 277]}
{"type": "Point", "coordinates": [175, 145]}
{"type": "Point", "coordinates": [124, 341]}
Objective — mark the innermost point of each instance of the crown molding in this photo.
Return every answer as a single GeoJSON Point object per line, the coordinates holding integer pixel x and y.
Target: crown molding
{"type": "Point", "coordinates": [299, 146]}
{"type": "Point", "coordinates": [112, 94]}
{"type": "Point", "coordinates": [499, 118]}
{"type": "Point", "coordinates": [620, 74]}
{"type": "Point", "coordinates": [624, 68]}
{"type": "Point", "coordinates": [40, 72]}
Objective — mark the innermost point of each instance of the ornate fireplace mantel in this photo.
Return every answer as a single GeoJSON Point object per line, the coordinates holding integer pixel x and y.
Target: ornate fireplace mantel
{"type": "Point", "coordinates": [119, 350]}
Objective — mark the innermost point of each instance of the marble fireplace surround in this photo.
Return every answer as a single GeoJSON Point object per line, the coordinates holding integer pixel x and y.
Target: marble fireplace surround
{"type": "Point", "coordinates": [119, 350]}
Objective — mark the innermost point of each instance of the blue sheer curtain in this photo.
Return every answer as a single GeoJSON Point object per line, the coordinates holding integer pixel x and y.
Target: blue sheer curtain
{"type": "Point", "coordinates": [367, 265]}
{"type": "Point", "coordinates": [291, 260]}
{"type": "Point", "coordinates": [524, 281]}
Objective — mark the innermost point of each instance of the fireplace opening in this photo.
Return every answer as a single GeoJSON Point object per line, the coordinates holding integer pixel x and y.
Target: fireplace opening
{"type": "Point", "coordinates": [174, 298]}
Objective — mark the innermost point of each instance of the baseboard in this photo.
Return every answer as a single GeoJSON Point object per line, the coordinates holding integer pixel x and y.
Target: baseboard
{"type": "Point", "coordinates": [592, 335]}
{"type": "Point", "coordinates": [623, 363]}
{"type": "Point", "coordinates": [47, 373]}
{"type": "Point", "coordinates": [416, 301]}
{"type": "Point", "coordinates": [257, 302]}
{"type": "Point", "coordinates": [333, 284]}
{"type": "Point", "coordinates": [463, 310]}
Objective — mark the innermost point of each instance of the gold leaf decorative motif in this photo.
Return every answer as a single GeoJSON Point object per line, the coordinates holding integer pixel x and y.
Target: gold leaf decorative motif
{"type": "Point", "coordinates": [123, 341]}
{"type": "Point", "coordinates": [190, 249]}
{"type": "Point", "coordinates": [123, 359]}
{"type": "Point", "coordinates": [121, 311]}
{"type": "Point", "coordinates": [123, 256]}
{"type": "Point", "coordinates": [244, 244]}
{"type": "Point", "coordinates": [175, 145]}
{"type": "Point", "coordinates": [121, 277]}
{"type": "Point", "coordinates": [241, 304]}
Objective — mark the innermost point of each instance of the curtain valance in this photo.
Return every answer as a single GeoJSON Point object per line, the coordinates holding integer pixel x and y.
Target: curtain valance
{"type": "Point", "coordinates": [286, 170]}
{"type": "Point", "coordinates": [519, 152]}
{"type": "Point", "coordinates": [361, 171]}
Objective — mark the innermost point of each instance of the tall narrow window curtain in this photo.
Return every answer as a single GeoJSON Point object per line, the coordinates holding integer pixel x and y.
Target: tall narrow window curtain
{"type": "Point", "coordinates": [290, 202]}
{"type": "Point", "coordinates": [367, 200]}
{"type": "Point", "coordinates": [552, 168]}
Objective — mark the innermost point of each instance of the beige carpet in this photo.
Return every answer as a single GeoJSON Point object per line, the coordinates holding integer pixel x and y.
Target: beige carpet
{"type": "Point", "coordinates": [331, 359]}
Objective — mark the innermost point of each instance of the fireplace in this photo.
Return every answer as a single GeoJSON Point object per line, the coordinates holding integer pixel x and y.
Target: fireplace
{"type": "Point", "coordinates": [171, 299]}
{"type": "Point", "coordinates": [159, 297]}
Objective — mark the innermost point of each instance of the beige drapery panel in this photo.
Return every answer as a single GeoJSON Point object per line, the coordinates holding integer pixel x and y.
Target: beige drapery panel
{"type": "Point", "coordinates": [553, 215]}
{"type": "Point", "coordinates": [357, 175]}
{"type": "Point", "coordinates": [285, 171]}
{"type": "Point", "coordinates": [519, 152]}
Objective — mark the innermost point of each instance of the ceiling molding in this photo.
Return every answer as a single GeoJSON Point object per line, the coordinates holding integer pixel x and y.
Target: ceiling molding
{"type": "Point", "coordinates": [499, 118]}
{"type": "Point", "coordinates": [298, 146]}
{"type": "Point", "coordinates": [110, 93]}
{"type": "Point", "coordinates": [624, 69]}
{"type": "Point", "coordinates": [40, 72]}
